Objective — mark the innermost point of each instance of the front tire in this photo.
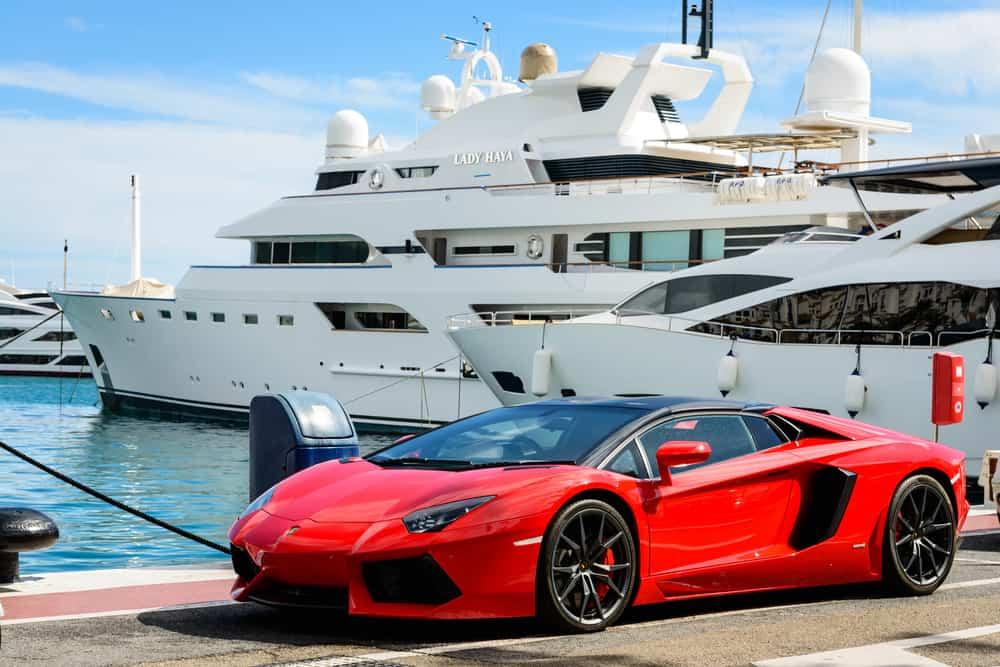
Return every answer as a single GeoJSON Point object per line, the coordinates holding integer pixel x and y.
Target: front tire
{"type": "Point", "coordinates": [587, 567]}
{"type": "Point", "coordinates": [920, 537]}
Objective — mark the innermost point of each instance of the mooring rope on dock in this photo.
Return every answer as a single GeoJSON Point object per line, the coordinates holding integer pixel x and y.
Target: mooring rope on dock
{"type": "Point", "coordinates": [111, 501]}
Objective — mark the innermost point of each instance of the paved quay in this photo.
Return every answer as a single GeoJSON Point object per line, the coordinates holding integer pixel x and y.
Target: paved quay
{"type": "Point", "coordinates": [959, 625]}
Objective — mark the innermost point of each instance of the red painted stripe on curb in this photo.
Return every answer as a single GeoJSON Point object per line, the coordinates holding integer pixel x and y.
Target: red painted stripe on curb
{"type": "Point", "coordinates": [115, 599]}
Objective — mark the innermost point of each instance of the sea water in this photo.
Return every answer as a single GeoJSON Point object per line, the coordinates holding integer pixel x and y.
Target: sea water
{"type": "Point", "coordinates": [192, 474]}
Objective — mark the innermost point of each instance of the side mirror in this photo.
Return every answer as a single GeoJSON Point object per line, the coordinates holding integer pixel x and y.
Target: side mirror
{"type": "Point", "coordinates": [403, 438]}
{"type": "Point", "coordinates": [680, 453]}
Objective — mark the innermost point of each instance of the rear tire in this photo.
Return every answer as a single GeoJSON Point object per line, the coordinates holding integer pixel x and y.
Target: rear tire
{"type": "Point", "coordinates": [920, 537]}
{"type": "Point", "coordinates": [587, 568]}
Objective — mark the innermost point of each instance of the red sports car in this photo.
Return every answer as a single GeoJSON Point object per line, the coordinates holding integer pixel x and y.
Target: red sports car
{"type": "Point", "coordinates": [575, 509]}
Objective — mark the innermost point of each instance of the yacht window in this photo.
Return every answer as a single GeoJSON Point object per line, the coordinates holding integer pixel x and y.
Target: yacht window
{"type": "Point", "coordinates": [51, 305]}
{"type": "Point", "coordinates": [30, 359]}
{"type": "Point", "coordinates": [870, 314]}
{"type": "Point", "coordinates": [249, 318]}
{"type": "Point", "coordinates": [7, 310]}
{"type": "Point", "coordinates": [484, 250]}
{"type": "Point", "coordinates": [416, 172]}
{"type": "Point", "coordinates": [136, 315]}
{"type": "Point", "coordinates": [329, 252]}
{"type": "Point", "coordinates": [280, 252]}
{"type": "Point", "coordinates": [262, 252]}
{"type": "Point", "coordinates": [107, 314]}
{"type": "Point", "coordinates": [713, 244]}
{"type": "Point", "coordinates": [190, 316]}
{"type": "Point", "coordinates": [166, 315]}
{"type": "Point", "coordinates": [665, 251]}
{"type": "Point", "coordinates": [73, 360]}
{"type": "Point", "coordinates": [286, 320]}
{"type": "Point", "coordinates": [400, 321]}
{"type": "Point", "coordinates": [337, 179]}
{"type": "Point", "coordinates": [9, 332]}
{"type": "Point", "coordinates": [218, 317]}
{"type": "Point", "coordinates": [56, 336]}
{"type": "Point", "coordinates": [684, 294]}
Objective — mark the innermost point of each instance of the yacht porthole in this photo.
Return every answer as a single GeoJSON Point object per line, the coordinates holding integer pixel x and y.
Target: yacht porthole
{"type": "Point", "coordinates": [536, 246]}
{"type": "Point", "coordinates": [376, 179]}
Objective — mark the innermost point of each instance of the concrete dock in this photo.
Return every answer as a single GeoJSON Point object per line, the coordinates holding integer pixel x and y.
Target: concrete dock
{"type": "Point", "coordinates": [183, 617]}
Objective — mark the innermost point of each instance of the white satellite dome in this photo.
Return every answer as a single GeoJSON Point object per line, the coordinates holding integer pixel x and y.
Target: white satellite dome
{"type": "Point", "coordinates": [437, 96]}
{"type": "Point", "coordinates": [839, 80]}
{"type": "Point", "coordinates": [346, 135]}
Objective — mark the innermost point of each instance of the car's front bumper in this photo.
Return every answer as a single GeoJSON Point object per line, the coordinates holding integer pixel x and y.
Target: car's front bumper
{"type": "Point", "coordinates": [381, 569]}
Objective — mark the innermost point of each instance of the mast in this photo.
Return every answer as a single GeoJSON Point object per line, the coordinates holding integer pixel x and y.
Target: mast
{"type": "Point", "coordinates": [857, 27]}
{"type": "Point", "coordinates": [136, 256]}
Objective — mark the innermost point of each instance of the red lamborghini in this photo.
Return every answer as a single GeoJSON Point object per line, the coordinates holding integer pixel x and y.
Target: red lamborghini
{"type": "Point", "coordinates": [575, 509]}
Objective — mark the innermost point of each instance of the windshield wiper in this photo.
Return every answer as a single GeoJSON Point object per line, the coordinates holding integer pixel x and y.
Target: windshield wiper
{"type": "Point", "coordinates": [418, 461]}
{"type": "Point", "coordinates": [525, 462]}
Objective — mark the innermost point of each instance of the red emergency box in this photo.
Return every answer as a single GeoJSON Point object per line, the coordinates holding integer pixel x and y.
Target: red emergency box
{"type": "Point", "coordinates": [947, 388]}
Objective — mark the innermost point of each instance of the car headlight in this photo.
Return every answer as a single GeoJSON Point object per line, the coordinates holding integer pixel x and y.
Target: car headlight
{"type": "Point", "coordinates": [261, 500]}
{"type": "Point", "coordinates": [433, 519]}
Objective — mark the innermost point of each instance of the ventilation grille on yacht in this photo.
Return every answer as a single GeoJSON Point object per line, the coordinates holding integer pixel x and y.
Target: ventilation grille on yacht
{"type": "Point", "coordinates": [665, 109]}
{"type": "Point", "coordinates": [337, 179]}
{"type": "Point", "coordinates": [621, 166]}
{"type": "Point", "coordinates": [592, 99]}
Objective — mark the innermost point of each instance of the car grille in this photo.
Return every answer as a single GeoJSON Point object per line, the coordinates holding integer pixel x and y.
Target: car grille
{"type": "Point", "coordinates": [285, 595]}
{"type": "Point", "coordinates": [413, 580]}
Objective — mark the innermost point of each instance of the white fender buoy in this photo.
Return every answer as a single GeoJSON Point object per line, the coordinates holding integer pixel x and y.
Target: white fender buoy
{"type": "Point", "coordinates": [986, 384]}
{"type": "Point", "coordinates": [729, 372]}
{"type": "Point", "coordinates": [854, 394]}
{"type": "Point", "coordinates": [541, 372]}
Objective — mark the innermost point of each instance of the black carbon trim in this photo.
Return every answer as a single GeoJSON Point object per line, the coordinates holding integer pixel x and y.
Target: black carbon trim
{"type": "Point", "coordinates": [824, 502]}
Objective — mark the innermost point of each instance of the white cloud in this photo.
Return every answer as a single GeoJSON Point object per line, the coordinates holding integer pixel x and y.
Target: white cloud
{"type": "Point", "coordinates": [70, 179]}
{"type": "Point", "coordinates": [76, 24]}
{"type": "Point", "coordinates": [155, 94]}
{"type": "Point", "coordinates": [392, 91]}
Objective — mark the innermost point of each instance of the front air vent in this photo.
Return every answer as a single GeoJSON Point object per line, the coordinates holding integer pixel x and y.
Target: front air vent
{"type": "Point", "coordinates": [592, 99]}
{"type": "Point", "coordinates": [622, 166]}
{"type": "Point", "coordinates": [665, 109]}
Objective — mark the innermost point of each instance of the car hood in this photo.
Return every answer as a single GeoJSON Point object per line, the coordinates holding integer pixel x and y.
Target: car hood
{"type": "Point", "coordinates": [357, 491]}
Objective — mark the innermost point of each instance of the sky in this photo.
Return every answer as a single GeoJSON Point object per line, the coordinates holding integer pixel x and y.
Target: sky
{"type": "Point", "coordinates": [221, 106]}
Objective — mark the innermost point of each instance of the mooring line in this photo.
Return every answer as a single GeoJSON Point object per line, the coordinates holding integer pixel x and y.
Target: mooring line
{"type": "Point", "coordinates": [111, 501]}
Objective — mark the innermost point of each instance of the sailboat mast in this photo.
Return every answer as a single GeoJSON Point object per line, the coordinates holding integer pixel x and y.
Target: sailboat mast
{"type": "Point", "coordinates": [857, 26]}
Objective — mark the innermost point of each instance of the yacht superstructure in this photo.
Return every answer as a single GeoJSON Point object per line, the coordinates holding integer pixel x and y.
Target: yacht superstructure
{"type": "Point", "coordinates": [823, 319]}
{"type": "Point", "coordinates": [556, 196]}
{"type": "Point", "coordinates": [34, 338]}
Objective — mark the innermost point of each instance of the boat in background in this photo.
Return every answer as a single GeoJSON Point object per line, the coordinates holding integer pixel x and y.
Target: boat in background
{"type": "Point", "coordinates": [822, 319]}
{"type": "Point", "coordinates": [550, 198]}
{"type": "Point", "coordinates": [35, 337]}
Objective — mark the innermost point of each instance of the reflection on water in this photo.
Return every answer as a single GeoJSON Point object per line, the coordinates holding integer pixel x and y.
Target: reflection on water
{"type": "Point", "coordinates": [189, 473]}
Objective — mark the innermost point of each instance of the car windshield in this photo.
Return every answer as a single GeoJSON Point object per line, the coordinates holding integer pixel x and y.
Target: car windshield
{"type": "Point", "coordinates": [523, 434]}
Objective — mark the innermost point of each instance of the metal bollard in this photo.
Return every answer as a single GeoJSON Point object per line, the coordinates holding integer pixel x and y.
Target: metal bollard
{"type": "Point", "coordinates": [22, 530]}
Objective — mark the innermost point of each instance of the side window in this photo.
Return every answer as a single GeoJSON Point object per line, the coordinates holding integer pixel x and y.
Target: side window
{"type": "Point", "coordinates": [764, 435]}
{"type": "Point", "coordinates": [727, 435]}
{"type": "Point", "coordinates": [628, 462]}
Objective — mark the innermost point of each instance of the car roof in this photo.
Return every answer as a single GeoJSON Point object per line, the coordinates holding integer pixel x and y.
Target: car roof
{"type": "Point", "coordinates": [659, 403]}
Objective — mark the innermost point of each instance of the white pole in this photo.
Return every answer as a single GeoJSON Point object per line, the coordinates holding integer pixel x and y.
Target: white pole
{"type": "Point", "coordinates": [136, 231]}
{"type": "Point", "coordinates": [857, 26]}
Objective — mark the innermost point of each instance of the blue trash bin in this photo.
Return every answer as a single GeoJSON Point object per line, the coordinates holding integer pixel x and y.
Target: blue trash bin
{"type": "Point", "coordinates": [293, 430]}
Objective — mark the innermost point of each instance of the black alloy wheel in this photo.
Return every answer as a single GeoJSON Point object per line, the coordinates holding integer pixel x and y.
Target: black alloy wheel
{"type": "Point", "coordinates": [587, 568]}
{"type": "Point", "coordinates": [920, 539]}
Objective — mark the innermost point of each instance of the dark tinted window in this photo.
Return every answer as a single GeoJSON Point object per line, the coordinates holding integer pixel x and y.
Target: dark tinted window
{"type": "Point", "coordinates": [684, 294]}
{"type": "Point", "coordinates": [56, 336]}
{"type": "Point", "coordinates": [280, 253]}
{"type": "Point", "coordinates": [764, 435]}
{"type": "Point", "coordinates": [337, 179]}
{"type": "Point", "coordinates": [9, 332]}
{"type": "Point", "coordinates": [628, 462]}
{"type": "Point", "coordinates": [727, 435]}
{"type": "Point", "coordinates": [262, 252]}
{"type": "Point", "coordinates": [7, 310]}
{"type": "Point", "coordinates": [523, 433]}
{"type": "Point", "coordinates": [218, 317]}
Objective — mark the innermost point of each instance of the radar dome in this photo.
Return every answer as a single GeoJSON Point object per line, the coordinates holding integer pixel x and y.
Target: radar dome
{"type": "Point", "coordinates": [437, 96]}
{"type": "Point", "coordinates": [537, 59]}
{"type": "Point", "coordinates": [839, 80]}
{"type": "Point", "coordinates": [346, 135]}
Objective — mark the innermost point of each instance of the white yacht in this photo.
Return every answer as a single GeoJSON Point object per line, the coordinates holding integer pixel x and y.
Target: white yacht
{"type": "Point", "coordinates": [822, 319]}
{"type": "Point", "coordinates": [557, 195]}
{"type": "Point", "coordinates": [34, 338]}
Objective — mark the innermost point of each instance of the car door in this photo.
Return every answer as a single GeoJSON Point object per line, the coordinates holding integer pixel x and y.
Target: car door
{"type": "Point", "coordinates": [712, 517]}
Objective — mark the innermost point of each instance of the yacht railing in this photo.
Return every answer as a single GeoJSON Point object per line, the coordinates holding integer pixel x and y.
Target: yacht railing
{"type": "Point", "coordinates": [703, 181]}
{"type": "Point", "coordinates": [517, 317]}
{"type": "Point", "coordinates": [726, 331]}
